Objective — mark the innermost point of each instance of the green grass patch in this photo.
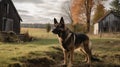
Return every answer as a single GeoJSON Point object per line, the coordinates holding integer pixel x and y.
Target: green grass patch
{"type": "Point", "coordinates": [46, 47]}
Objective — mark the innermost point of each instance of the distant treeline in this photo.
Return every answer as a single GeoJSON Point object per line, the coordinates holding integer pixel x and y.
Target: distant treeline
{"type": "Point", "coordinates": [37, 25]}
{"type": "Point", "coordinates": [34, 25]}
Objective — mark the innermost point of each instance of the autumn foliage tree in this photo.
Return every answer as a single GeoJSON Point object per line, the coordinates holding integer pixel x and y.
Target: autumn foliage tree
{"type": "Point", "coordinates": [99, 12]}
{"type": "Point", "coordinates": [76, 10]}
{"type": "Point", "coordinates": [81, 11]}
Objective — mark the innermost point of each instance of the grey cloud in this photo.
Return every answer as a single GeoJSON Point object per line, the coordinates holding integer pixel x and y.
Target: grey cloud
{"type": "Point", "coordinates": [35, 19]}
{"type": "Point", "coordinates": [29, 1]}
{"type": "Point", "coordinates": [22, 11]}
{"type": "Point", "coordinates": [26, 17]}
{"type": "Point", "coordinates": [45, 10]}
{"type": "Point", "coordinates": [42, 19]}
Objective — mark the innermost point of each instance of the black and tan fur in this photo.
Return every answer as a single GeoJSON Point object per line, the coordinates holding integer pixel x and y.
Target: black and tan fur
{"type": "Point", "coordinates": [71, 41]}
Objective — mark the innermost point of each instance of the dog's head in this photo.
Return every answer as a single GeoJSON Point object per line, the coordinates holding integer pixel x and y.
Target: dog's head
{"type": "Point", "coordinates": [58, 27]}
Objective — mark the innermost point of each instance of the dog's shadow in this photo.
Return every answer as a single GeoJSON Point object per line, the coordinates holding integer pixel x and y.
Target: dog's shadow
{"type": "Point", "coordinates": [78, 61]}
{"type": "Point", "coordinates": [58, 56]}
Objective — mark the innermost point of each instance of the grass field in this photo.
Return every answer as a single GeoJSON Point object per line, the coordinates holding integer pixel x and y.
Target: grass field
{"type": "Point", "coordinates": [45, 51]}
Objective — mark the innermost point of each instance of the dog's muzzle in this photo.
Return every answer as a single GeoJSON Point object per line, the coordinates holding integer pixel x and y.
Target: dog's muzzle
{"type": "Point", "coordinates": [54, 31]}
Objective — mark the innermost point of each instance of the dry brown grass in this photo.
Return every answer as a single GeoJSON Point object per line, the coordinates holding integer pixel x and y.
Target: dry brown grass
{"type": "Point", "coordinates": [48, 48]}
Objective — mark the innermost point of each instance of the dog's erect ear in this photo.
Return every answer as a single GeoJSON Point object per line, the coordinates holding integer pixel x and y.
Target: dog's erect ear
{"type": "Point", "coordinates": [55, 22]}
{"type": "Point", "coordinates": [62, 20]}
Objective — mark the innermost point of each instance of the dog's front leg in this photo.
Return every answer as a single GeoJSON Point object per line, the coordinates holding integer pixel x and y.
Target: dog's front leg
{"type": "Point", "coordinates": [71, 57]}
{"type": "Point", "coordinates": [65, 57]}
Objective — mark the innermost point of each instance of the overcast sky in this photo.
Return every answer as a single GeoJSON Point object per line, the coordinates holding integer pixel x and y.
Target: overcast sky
{"type": "Point", "coordinates": [40, 11]}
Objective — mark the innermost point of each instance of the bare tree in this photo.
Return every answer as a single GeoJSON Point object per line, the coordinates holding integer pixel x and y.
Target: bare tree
{"type": "Point", "coordinates": [66, 8]}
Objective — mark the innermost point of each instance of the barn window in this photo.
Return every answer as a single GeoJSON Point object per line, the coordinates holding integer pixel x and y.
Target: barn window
{"type": "Point", "coordinates": [7, 8]}
{"type": "Point", "coordinates": [7, 24]}
{"type": "Point", "coordinates": [3, 24]}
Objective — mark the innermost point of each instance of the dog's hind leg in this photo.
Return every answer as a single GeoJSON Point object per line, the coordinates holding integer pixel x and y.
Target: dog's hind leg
{"type": "Point", "coordinates": [83, 51]}
{"type": "Point", "coordinates": [88, 51]}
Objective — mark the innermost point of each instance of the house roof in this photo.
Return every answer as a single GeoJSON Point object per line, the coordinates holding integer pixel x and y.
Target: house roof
{"type": "Point", "coordinates": [10, 1]}
{"type": "Point", "coordinates": [107, 13]}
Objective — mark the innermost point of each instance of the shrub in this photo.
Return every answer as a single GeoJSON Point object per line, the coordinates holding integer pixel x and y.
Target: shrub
{"type": "Point", "coordinates": [8, 36]}
{"type": "Point", "coordinates": [78, 28]}
{"type": "Point", "coordinates": [25, 37]}
{"type": "Point", "coordinates": [48, 27]}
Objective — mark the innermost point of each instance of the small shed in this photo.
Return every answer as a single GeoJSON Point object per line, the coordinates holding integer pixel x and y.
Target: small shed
{"type": "Point", "coordinates": [9, 17]}
{"type": "Point", "coordinates": [109, 23]}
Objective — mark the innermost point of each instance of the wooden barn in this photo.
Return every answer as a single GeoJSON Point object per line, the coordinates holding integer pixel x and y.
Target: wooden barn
{"type": "Point", "coordinates": [109, 23]}
{"type": "Point", "coordinates": [9, 17]}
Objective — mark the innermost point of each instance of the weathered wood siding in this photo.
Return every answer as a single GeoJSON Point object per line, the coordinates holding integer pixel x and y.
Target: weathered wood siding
{"type": "Point", "coordinates": [110, 23]}
{"type": "Point", "coordinates": [9, 12]}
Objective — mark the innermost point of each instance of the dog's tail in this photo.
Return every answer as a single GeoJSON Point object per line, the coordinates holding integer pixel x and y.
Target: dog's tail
{"type": "Point", "coordinates": [90, 48]}
{"type": "Point", "coordinates": [92, 56]}
{"type": "Point", "coordinates": [90, 45]}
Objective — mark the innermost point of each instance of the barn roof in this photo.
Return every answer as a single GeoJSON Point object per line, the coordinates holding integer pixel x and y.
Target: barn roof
{"type": "Point", "coordinates": [10, 1]}
{"type": "Point", "coordinates": [15, 10]}
{"type": "Point", "coordinates": [107, 13]}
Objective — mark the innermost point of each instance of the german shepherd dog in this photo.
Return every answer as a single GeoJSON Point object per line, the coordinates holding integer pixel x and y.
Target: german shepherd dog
{"type": "Point", "coordinates": [71, 41]}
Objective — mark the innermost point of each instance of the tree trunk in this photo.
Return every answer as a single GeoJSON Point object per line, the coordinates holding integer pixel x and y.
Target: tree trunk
{"type": "Point", "coordinates": [88, 26]}
{"type": "Point", "coordinates": [88, 14]}
{"type": "Point", "coordinates": [88, 6]}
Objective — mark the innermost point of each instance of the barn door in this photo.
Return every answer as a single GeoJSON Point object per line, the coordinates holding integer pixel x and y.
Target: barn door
{"type": "Point", "coordinates": [9, 25]}
{"type": "Point", "coordinates": [3, 24]}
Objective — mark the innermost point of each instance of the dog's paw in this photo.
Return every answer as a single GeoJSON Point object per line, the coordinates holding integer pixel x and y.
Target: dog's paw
{"type": "Point", "coordinates": [69, 65]}
{"type": "Point", "coordinates": [64, 65]}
